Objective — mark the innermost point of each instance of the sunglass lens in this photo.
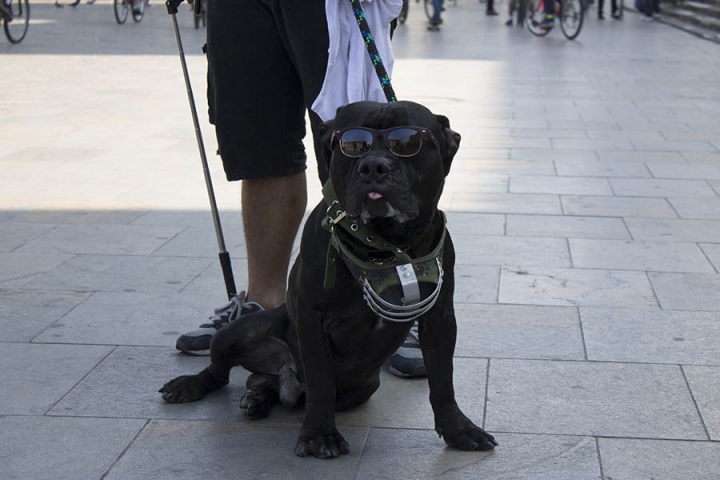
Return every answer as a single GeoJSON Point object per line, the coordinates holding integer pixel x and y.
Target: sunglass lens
{"type": "Point", "coordinates": [354, 143]}
{"type": "Point", "coordinates": [404, 142]}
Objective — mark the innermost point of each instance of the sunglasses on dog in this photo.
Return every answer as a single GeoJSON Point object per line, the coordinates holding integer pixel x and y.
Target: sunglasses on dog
{"type": "Point", "coordinates": [401, 141]}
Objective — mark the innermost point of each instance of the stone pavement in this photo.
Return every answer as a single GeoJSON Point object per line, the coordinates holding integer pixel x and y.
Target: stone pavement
{"type": "Point", "coordinates": [584, 203]}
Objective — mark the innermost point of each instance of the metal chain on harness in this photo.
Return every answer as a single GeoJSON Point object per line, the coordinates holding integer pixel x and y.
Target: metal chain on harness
{"type": "Point", "coordinates": [373, 51]}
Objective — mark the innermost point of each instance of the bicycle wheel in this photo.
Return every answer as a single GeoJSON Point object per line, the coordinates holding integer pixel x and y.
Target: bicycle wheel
{"type": "Point", "coordinates": [534, 16]}
{"type": "Point", "coordinates": [120, 7]}
{"type": "Point", "coordinates": [16, 28]}
{"type": "Point", "coordinates": [571, 17]}
{"type": "Point", "coordinates": [138, 13]}
{"type": "Point", "coordinates": [428, 9]}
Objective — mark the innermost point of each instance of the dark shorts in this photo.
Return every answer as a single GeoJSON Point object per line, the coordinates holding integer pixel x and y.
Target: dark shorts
{"type": "Point", "coordinates": [266, 65]}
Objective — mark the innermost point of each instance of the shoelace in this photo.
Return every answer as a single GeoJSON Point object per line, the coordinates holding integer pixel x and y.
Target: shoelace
{"type": "Point", "coordinates": [224, 314]}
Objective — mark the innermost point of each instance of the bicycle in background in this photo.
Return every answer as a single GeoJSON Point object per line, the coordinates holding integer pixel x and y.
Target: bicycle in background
{"type": "Point", "coordinates": [122, 7]}
{"type": "Point", "coordinates": [16, 19]}
{"type": "Point", "coordinates": [427, 6]}
{"type": "Point", "coordinates": [570, 13]}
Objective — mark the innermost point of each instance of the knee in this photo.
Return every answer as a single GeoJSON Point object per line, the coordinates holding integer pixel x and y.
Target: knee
{"type": "Point", "coordinates": [223, 347]}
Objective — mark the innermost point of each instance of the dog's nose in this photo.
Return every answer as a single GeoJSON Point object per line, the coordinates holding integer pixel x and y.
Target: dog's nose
{"type": "Point", "coordinates": [373, 167]}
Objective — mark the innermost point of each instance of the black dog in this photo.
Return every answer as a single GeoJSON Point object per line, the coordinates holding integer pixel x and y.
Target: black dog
{"type": "Point", "coordinates": [374, 255]}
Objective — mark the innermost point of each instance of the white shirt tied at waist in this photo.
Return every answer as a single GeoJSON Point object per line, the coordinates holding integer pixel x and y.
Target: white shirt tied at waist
{"type": "Point", "coordinates": [350, 75]}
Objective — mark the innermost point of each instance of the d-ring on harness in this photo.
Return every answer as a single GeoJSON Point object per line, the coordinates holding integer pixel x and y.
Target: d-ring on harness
{"type": "Point", "coordinates": [390, 279]}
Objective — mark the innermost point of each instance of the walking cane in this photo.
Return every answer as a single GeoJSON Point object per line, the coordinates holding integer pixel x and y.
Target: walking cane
{"type": "Point", "coordinates": [172, 8]}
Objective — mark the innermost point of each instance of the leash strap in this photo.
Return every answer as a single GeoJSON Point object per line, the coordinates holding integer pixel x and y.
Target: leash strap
{"type": "Point", "coordinates": [373, 51]}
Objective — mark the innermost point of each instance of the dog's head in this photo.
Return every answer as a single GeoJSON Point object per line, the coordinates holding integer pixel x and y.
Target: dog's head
{"type": "Point", "coordinates": [389, 160]}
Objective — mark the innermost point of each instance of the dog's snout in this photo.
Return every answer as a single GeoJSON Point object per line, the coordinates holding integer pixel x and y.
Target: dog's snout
{"type": "Point", "coordinates": [373, 167]}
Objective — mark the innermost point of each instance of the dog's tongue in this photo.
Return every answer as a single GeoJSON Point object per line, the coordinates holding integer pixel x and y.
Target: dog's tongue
{"type": "Point", "coordinates": [374, 196]}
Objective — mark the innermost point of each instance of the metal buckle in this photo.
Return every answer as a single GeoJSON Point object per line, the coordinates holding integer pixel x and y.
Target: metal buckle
{"type": "Point", "coordinates": [339, 215]}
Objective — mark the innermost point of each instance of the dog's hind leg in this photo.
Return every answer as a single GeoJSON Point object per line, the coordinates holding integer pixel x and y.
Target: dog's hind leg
{"type": "Point", "coordinates": [255, 342]}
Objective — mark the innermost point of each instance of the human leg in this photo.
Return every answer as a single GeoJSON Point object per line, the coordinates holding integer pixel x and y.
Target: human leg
{"type": "Point", "coordinates": [437, 11]}
{"type": "Point", "coordinates": [511, 10]}
{"type": "Point", "coordinates": [549, 20]}
{"type": "Point", "coordinates": [490, 8]}
{"type": "Point", "coordinates": [258, 115]}
{"type": "Point", "coordinates": [272, 209]}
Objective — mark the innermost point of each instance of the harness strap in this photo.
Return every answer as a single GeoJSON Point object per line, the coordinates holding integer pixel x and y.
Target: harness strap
{"type": "Point", "coordinates": [359, 249]}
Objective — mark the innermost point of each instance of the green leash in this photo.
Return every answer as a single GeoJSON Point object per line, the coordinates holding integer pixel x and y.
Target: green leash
{"type": "Point", "coordinates": [373, 51]}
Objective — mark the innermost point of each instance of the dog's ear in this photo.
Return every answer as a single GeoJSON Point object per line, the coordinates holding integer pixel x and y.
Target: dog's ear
{"type": "Point", "coordinates": [450, 141]}
{"type": "Point", "coordinates": [326, 131]}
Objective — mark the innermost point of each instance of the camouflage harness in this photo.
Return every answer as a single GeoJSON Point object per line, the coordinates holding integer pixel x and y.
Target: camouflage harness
{"type": "Point", "coordinates": [395, 286]}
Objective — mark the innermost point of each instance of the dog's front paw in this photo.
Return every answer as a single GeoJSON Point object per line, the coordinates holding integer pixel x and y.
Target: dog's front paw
{"type": "Point", "coordinates": [463, 434]}
{"type": "Point", "coordinates": [329, 445]}
{"type": "Point", "coordinates": [190, 388]}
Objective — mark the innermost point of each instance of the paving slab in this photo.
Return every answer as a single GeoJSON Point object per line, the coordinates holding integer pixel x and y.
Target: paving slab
{"type": "Point", "coordinates": [641, 336]}
{"type": "Point", "coordinates": [514, 331]}
{"type": "Point", "coordinates": [684, 171]}
{"type": "Point", "coordinates": [202, 242]}
{"type": "Point", "coordinates": [551, 156]}
{"type": "Point", "coordinates": [518, 457]}
{"type": "Point", "coordinates": [530, 251]}
{"type": "Point", "coordinates": [476, 284]}
{"type": "Point", "coordinates": [514, 166]}
{"type": "Point", "coordinates": [101, 240]}
{"type": "Point", "coordinates": [597, 168]}
{"type": "Point", "coordinates": [18, 269]}
{"type": "Point", "coordinates": [14, 235]}
{"type": "Point", "coordinates": [705, 386]}
{"type": "Point", "coordinates": [576, 287]}
{"type": "Point", "coordinates": [126, 384]}
{"type": "Point", "coordinates": [506, 203]}
{"type": "Point", "coordinates": [403, 403]}
{"type": "Point", "coordinates": [584, 398]}
{"type": "Point", "coordinates": [24, 315]}
{"type": "Point", "coordinates": [475, 223]}
{"type": "Point", "coordinates": [35, 377]}
{"type": "Point", "coordinates": [76, 217]}
{"type": "Point", "coordinates": [686, 291]}
{"type": "Point", "coordinates": [712, 250]}
{"type": "Point", "coordinates": [132, 318]}
{"type": "Point", "coordinates": [567, 227]}
{"type": "Point", "coordinates": [212, 282]}
{"type": "Point", "coordinates": [627, 255]}
{"type": "Point", "coordinates": [644, 187]}
{"type": "Point", "coordinates": [48, 448]}
{"type": "Point", "coordinates": [628, 459]}
{"type": "Point", "coordinates": [617, 206]}
{"type": "Point", "coordinates": [639, 157]}
{"type": "Point", "coordinates": [560, 185]}
{"type": "Point", "coordinates": [121, 273]}
{"type": "Point", "coordinates": [707, 158]}
{"type": "Point", "coordinates": [696, 208]}
{"type": "Point", "coordinates": [487, 183]}
{"type": "Point", "coordinates": [657, 230]}
{"type": "Point", "coordinates": [230, 450]}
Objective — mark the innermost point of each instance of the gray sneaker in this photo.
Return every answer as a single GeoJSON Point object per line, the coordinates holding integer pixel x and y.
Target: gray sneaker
{"type": "Point", "coordinates": [197, 342]}
{"type": "Point", "coordinates": [408, 362]}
